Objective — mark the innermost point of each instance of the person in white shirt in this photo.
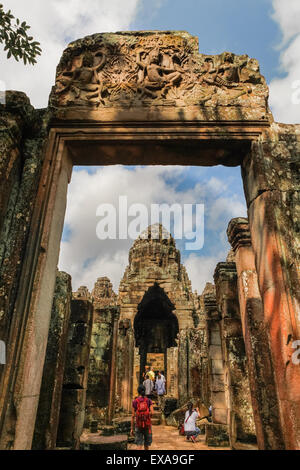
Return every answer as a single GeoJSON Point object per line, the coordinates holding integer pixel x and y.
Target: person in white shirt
{"type": "Point", "coordinates": [162, 376]}
{"type": "Point", "coordinates": [148, 384]}
{"type": "Point", "coordinates": [160, 387]}
{"type": "Point", "coordinates": [190, 429]}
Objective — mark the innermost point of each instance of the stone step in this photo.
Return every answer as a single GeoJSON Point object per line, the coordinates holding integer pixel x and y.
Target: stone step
{"type": "Point", "coordinates": [155, 421]}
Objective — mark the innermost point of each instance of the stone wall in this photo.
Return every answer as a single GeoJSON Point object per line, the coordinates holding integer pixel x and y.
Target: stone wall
{"type": "Point", "coordinates": [215, 357]}
{"type": "Point", "coordinates": [265, 403]}
{"type": "Point", "coordinates": [101, 352]}
{"type": "Point", "coordinates": [23, 132]}
{"type": "Point", "coordinates": [51, 389]}
{"type": "Point", "coordinates": [236, 381]}
{"type": "Point", "coordinates": [72, 409]}
{"type": "Point", "coordinates": [271, 180]}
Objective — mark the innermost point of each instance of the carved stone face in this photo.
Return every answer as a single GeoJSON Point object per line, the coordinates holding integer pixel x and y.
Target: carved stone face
{"type": "Point", "coordinates": [228, 58]}
{"type": "Point", "coordinates": [208, 63]}
{"type": "Point", "coordinates": [154, 56]}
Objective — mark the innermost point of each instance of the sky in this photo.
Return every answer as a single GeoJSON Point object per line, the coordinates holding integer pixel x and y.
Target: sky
{"type": "Point", "coordinates": [268, 30]}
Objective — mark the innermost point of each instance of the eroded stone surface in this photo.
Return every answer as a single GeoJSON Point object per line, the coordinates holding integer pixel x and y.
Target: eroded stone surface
{"type": "Point", "coordinates": [51, 389]}
{"type": "Point", "coordinates": [158, 68]}
{"type": "Point", "coordinates": [100, 361]}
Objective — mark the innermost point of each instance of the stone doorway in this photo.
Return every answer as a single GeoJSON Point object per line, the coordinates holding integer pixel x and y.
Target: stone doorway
{"type": "Point", "coordinates": [155, 329]}
{"type": "Point", "coordinates": [213, 111]}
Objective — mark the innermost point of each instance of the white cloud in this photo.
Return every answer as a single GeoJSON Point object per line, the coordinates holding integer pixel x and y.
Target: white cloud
{"type": "Point", "coordinates": [282, 91]}
{"type": "Point", "coordinates": [54, 23]}
{"type": "Point", "coordinates": [224, 209]}
{"type": "Point", "coordinates": [86, 257]}
{"type": "Point", "coordinates": [201, 268]}
{"type": "Point", "coordinates": [286, 14]}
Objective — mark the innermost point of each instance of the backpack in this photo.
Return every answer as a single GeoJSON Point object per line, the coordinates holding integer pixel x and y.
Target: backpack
{"type": "Point", "coordinates": [143, 419]}
{"type": "Point", "coordinates": [181, 430]}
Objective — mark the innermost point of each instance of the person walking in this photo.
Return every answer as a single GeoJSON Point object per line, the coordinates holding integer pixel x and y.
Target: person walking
{"type": "Point", "coordinates": [146, 371]}
{"type": "Point", "coordinates": [151, 373]}
{"type": "Point", "coordinates": [160, 387]}
{"type": "Point", "coordinates": [190, 429]}
{"type": "Point", "coordinates": [162, 375]}
{"type": "Point", "coordinates": [142, 410]}
{"type": "Point", "coordinates": [148, 384]}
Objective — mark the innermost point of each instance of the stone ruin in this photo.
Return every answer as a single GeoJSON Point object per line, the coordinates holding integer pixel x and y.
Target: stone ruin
{"type": "Point", "coordinates": [73, 360]}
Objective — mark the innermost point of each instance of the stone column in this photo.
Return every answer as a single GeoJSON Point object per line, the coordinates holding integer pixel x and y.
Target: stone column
{"type": "Point", "coordinates": [172, 377]}
{"type": "Point", "coordinates": [183, 353]}
{"type": "Point", "coordinates": [22, 144]}
{"type": "Point", "coordinates": [261, 375]}
{"type": "Point", "coordinates": [98, 388]}
{"type": "Point", "coordinates": [124, 365]}
{"type": "Point", "coordinates": [240, 415]}
{"type": "Point", "coordinates": [271, 181]}
{"type": "Point", "coordinates": [113, 372]}
{"type": "Point", "coordinates": [136, 370]}
{"type": "Point", "coordinates": [73, 402]}
{"type": "Point", "coordinates": [215, 358]}
{"type": "Point", "coordinates": [46, 425]}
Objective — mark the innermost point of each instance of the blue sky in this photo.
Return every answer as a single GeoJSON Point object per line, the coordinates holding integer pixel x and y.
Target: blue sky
{"type": "Point", "coordinates": [268, 30]}
{"type": "Point", "coordinates": [239, 26]}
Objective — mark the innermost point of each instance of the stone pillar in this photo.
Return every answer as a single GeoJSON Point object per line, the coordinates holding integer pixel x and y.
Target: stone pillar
{"type": "Point", "coordinates": [198, 364]}
{"type": "Point", "coordinates": [136, 371]}
{"type": "Point", "coordinates": [113, 372]}
{"type": "Point", "coordinates": [240, 415]}
{"type": "Point", "coordinates": [124, 365]}
{"type": "Point", "coordinates": [172, 367]}
{"type": "Point", "coordinates": [183, 360]}
{"type": "Point", "coordinates": [271, 181]}
{"type": "Point", "coordinates": [261, 375]}
{"type": "Point", "coordinates": [50, 396]}
{"type": "Point", "coordinates": [22, 143]}
{"type": "Point", "coordinates": [73, 402]}
{"type": "Point", "coordinates": [98, 388]}
{"type": "Point", "coordinates": [215, 358]}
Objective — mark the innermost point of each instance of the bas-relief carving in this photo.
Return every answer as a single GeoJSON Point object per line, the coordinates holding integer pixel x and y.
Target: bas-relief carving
{"type": "Point", "coordinates": [128, 70]}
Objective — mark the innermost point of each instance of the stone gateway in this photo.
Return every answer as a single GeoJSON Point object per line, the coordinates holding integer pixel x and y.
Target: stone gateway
{"type": "Point", "coordinates": [73, 360]}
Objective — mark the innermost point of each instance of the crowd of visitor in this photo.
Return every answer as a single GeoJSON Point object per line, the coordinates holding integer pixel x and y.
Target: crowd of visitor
{"type": "Point", "coordinates": [154, 385]}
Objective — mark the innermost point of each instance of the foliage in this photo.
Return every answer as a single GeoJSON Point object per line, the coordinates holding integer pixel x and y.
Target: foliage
{"type": "Point", "coordinates": [13, 34]}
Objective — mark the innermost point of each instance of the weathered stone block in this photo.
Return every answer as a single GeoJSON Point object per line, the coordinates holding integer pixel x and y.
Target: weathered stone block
{"type": "Point", "coordinates": [215, 338]}
{"type": "Point", "coordinates": [217, 366]}
{"type": "Point", "coordinates": [219, 415]}
{"type": "Point", "coordinates": [216, 435]}
{"type": "Point", "coordinates": [215, 352]}
{"type": "Point", "coordinates": [217, 383]}
{"type": "Point", "coordinates": [122, 425]}
{"type": "Point", "coordinates": [97, 442]}
{"type": "Point", "coordinates": [52, 382]}
{"type": "Point", "coordinates": [71, 418]}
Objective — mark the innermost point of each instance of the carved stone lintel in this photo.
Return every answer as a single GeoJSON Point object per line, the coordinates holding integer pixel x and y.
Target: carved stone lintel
{"type": "Point", "coordinates": [154, 68]}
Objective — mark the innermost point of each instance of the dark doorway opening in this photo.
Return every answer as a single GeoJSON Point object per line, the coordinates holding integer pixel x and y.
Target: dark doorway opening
{"type": "Point", "coordinates": [155, 326]}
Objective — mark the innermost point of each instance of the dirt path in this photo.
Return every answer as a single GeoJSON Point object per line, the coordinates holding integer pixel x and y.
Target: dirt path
{"type": "Point", "coordinates": [168, 438]}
